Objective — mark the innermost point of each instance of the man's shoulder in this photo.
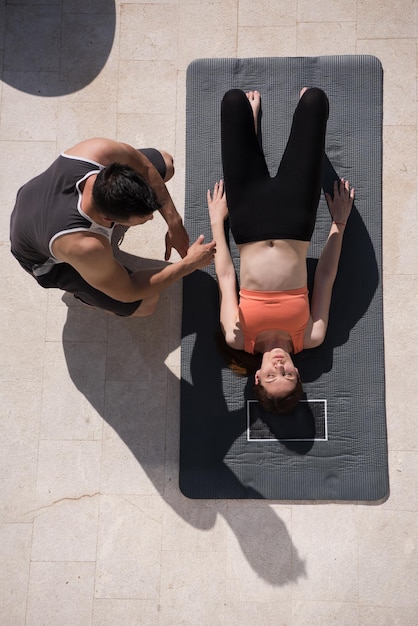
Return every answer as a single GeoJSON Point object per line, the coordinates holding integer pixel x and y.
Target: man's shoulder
{"type": "Point", "coordinates": [81, 246]}
{"type": "Point", "coordinates": [98, 149]}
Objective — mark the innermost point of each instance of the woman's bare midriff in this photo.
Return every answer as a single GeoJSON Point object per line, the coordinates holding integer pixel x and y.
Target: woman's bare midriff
{"type": "Point", "coordinates": [273, 265]}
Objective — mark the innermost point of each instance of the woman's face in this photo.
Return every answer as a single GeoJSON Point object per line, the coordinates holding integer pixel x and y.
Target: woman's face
{"type": "Point", "coordinates": [277, 373]}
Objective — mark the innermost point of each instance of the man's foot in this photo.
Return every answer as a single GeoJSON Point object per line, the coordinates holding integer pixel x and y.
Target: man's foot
{"type": "Point", "coordinates": [147, 307]}
{"type": "Point", "coordinates": [254, 99]}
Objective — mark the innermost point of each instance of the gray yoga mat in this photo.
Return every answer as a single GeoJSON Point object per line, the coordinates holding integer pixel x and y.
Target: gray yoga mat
{"type": "Point", "coordinates": [334, 446]}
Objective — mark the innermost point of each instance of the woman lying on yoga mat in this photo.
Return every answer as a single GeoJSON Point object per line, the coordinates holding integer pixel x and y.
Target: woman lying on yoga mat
{"type": "Point", "coordinates": [272, 221]}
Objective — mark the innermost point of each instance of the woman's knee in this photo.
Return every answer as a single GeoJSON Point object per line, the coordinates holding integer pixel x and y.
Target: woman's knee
{"type": "Point", "coordinates": [315, 96]}
{"type": "Point", "coordinates": [233, 97]}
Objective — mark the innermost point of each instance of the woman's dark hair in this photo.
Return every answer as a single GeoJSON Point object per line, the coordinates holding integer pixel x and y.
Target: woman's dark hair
{"type": "Point", "coordinates": [279, 405]}
{"type": "Point", "coordinates": [245, 364]}
{"type": "Point", "coordinates": [240, 362]}
{"type": "Point", "coordinates": [119, 193]}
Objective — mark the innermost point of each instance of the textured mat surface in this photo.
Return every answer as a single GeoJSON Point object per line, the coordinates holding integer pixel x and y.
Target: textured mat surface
{"type": "Point", "coordinates": [335, 447]}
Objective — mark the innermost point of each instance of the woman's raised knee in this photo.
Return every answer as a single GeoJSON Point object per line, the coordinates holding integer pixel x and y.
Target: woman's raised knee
{"type": "Point", "coordinates": [316, 95]}
{"type": "Point", "coordinates": [233, 96]}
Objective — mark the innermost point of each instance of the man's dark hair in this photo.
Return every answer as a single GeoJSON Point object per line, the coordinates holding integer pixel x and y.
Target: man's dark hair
{"type": "Point", "coordinates": [119, 193]}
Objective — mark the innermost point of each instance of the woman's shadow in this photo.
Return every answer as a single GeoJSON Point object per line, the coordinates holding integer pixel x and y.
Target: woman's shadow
{"type": "Point", "coordinates": [215, 402]}
{"type": "Point", "coordinates": [354, 288]}
{"type": "Point", "coordinates": [140, 402]}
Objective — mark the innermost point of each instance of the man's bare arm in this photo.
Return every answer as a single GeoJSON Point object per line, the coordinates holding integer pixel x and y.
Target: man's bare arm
{"type": "Point", "coordinates": [92, 257]}
{"type": "Point", "coordinates": [106, 151]}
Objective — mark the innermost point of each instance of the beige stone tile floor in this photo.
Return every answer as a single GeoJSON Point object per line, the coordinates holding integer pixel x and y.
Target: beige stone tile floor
{"type": "Point", "coordinates": [93, 528]}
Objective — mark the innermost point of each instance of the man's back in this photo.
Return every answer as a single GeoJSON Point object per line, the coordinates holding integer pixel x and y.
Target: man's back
{"type": "Point", "coordinates": [49, 205]}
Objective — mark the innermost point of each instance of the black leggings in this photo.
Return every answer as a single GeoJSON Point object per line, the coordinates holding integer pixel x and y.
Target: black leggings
{"type": "Point", "coordinates": [284, 207]}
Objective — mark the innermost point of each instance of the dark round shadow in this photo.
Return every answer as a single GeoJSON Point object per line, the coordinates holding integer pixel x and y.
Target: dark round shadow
{"type": "Point", "coordinates": [54, 50]}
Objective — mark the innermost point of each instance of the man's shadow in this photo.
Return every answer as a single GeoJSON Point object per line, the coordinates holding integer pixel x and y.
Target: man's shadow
{"type": "Point", "coordinates": [275, 561]}
{"type": "Point", "coordinates": [55, 50]}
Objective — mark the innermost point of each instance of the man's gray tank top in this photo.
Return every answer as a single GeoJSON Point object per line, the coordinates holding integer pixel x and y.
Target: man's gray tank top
{"type": "Point", "coordinates": [49, 206]}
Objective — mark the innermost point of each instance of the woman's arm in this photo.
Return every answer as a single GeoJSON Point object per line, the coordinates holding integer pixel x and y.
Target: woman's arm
{"type": "Point", "coordinates": [326, 271]}
{"type": "Point", "coordinates": [224, 267]}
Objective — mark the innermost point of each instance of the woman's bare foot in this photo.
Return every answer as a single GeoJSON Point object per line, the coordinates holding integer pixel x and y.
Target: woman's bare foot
{"type": "Point", "coordinates": [254, 99]}
{"type": "Point", "coordinates": [302, 91]}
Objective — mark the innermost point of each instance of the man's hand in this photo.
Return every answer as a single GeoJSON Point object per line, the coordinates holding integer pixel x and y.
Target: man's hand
{"type": "Point", "coordinates": [201, 254]}
{"type": "Point", "coordinates": [218, 209]}
{"type": "Point", "coordinates": [178, 239]}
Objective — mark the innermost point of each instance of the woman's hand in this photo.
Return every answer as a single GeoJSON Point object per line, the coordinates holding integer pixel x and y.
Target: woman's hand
{"type": "Point", "coordinates": [218, 208]}
{"type": "Point", "coordinates": [341, 204]}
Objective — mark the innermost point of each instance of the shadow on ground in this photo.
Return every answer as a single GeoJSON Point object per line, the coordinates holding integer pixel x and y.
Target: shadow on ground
{"type": "Point", "coordinates": [57, 49]}
{"type": "Point", "coordinates": [135, 385]}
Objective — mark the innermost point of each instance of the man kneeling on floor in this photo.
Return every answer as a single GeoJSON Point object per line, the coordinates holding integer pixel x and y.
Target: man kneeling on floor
{"type": "Point", "coordinates": [62, 223]}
